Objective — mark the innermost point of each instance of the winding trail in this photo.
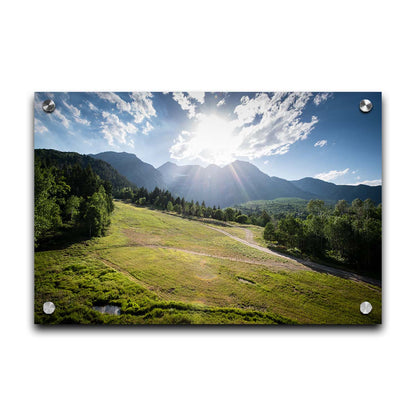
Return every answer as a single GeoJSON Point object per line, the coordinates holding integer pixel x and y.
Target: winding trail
{"type": "Point", "coordinates": [310, 264]}
{"type": "Point", "coordinates": [268, 263]}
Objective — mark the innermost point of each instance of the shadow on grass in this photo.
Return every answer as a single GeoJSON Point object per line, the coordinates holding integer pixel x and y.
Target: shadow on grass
{"type": "Point", "coordinates": [326, 267]}
{"type": "Point", "coordinates": [62, 239]}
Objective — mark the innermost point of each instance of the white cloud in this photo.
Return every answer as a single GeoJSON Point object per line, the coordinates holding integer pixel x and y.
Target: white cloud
{"type": "Point", "coordinates": [270, 125]}
{"type": "Point", "coordinates": [185, 103]}
{"type": "Point", "coordinates": [74, 110]}
{"type": "Point", "coordinates": [248, 109]}
{"type": "Point", "coordinates": [320, 143]}
{"type": "Point", "coordinates": [333, 174]}
{"type": "Point", "coordinates": [374, 182]}
{"type": "Point", "coordinates": [83, 121]}
{"type": "Point", "coordinates": [263, 126]}
{"type": "Point", "coordinates": [92, 106]}
{"type": "Point", "coordinates": [113, 98]}
{"type": "Point", "coordinates": [115, 130]}
{"type": "Point", "coordinates": [76, 113]}
{"type": "Point", "coordinates": [221, 102]}
{"type": "Point", "coordinates": [61, 117]}
{"type": "Point", "coordinates": [40, 127]}
{"type": "Point", "coordinates": [140, 107]}
{"type": "Point", "coordinates": [322, 97]}
{"type": "Point", "coordinates": [189, 101]}
{"type": "Point", "coordinates": [147, 128]}
{"type": "Point", "coordinates": [198, 96]}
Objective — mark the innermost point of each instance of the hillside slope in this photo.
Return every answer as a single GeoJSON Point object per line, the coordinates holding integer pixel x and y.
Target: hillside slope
{"type": "Point", "coordinates": [134, 169]}
{"type": "Point", "coordinates": [163, 269]}
{"type": "Point", "coordinates": [65, 160]}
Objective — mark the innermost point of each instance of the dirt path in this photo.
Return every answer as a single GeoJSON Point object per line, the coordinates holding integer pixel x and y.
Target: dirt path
{"type": "Point", "coordinates": [309, 264]}
{"type": "Point", "coordinates": [249, 236]}
{"type": "Point", "coordinates": [269, 263]}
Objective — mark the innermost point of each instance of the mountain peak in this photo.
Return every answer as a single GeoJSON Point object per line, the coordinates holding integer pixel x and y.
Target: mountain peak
{"type": "Point", "coordinates": [241, 163]}
{"type": "Point", "coordinates": [134, 169]}
{"type": "Point", "coordinates": [212, 166]}
{"type": "Point", "coordinates": [126, 155]}
{"type": "Point", "coordinates": [168, 164]}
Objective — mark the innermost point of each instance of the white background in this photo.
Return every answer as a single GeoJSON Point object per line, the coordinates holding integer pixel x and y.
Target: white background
{"type": "Point", "coordinates": [213, 45]}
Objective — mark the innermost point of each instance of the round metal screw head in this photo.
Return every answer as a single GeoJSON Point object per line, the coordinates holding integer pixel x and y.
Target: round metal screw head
{"type": "Point", "coordinates": [366, 106]}
{"type": "Point", "coordinates": [48, 308]}
{"type": "Point", "coordinates": [48, 106]}
{"type": "Point", "coordinates": [366, 308]}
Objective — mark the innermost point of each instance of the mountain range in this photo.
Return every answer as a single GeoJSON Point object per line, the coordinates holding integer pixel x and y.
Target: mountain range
{"type": "Point", "coordinates": [235, 183]}
{"type": "Point", "coordinates": [232, 184]}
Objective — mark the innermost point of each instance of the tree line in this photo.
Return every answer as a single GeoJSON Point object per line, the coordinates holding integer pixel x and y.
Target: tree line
{"type": "Point", "coordinates": [72, 198]}
{"type": "Point", "coordinates": [350, 233]}
{"type": "Point", "coordinates": [164, 200]}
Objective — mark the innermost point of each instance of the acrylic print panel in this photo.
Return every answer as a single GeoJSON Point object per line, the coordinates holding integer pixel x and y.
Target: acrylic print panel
{"type": "Point", "coordinates": [207, 208]}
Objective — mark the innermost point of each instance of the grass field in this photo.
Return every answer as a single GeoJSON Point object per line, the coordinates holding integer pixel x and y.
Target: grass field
{"type": "Point", "coordinates": [163, 269]}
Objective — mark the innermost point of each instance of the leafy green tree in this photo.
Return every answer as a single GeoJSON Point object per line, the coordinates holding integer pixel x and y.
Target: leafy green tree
{"type": "Point", "coordinates": [169, 206]}
{"type": "Point", "coordinates": [315, 236]}
{"type": "Point", "coordinates": [229, 214]}
{"type": "Point", "coordinates": [96, 213]}
{"type": "Point", "coordinates": [127, 193]}
{"type": "Point", "coordinates": [264, 218]}
{"type": "Point", "coordinates": [193, 209]}
{"type": "Point", "coordinates": [357, 208]}
{"type": "Point", "coordinates": [316, 207]}
{"type": "Point", "coordinates": [290, 231]}
{"type": "Point", "coordinates": [368, 208]}
{"type": "Point", "coordinates": [72, 207]}
{"type": "Point", "coordinates": [269, 232]}
{"type": "Point", "coordinates": [242, 219]}
{"type": "Point", "coordinates": [340, 234]}
{"type": "Point", "coordinates": [47, 211]}
{"type": "Point", "coordinates": [341, 207]}
{"type": "Point", "coordinates": [218, 215]}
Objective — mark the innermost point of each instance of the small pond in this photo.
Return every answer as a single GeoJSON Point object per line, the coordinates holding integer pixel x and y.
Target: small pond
{"type": "Point", "coordinates": [240, 279]}
{"type": "Point", "coordinates": [110, 309]}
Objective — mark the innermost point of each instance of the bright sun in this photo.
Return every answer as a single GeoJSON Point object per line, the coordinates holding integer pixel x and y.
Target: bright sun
{"type": "Point", "coordinates": [214, 140]}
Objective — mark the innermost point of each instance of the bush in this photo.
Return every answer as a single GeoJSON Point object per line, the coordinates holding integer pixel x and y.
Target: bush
{"type": "Point", "coordinates": [242, 219]}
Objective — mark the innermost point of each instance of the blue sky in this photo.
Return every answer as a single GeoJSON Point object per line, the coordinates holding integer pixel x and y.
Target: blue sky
{"type": "Point", "coordinates": [289, 135]}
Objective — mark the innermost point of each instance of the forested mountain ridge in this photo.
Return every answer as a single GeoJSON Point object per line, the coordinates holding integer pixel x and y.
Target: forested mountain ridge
{"type": "Point", "coordinates": [135, 170]}
{"type": "Point", "coordinates": [67, 160]}
{"type": "Point", "coordinates": [330, 191]}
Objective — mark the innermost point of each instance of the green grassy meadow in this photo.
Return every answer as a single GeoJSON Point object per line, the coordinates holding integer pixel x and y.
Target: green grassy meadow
{"type": "Point", "coordinates": [163, 269]}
